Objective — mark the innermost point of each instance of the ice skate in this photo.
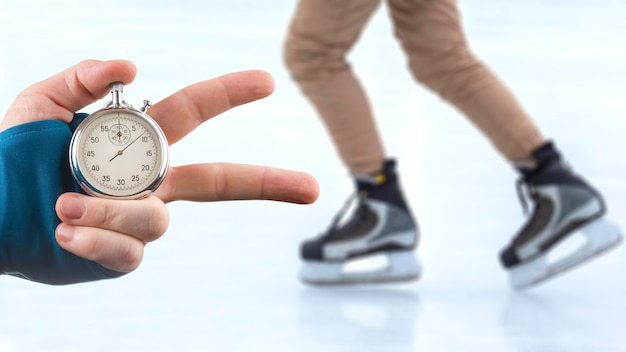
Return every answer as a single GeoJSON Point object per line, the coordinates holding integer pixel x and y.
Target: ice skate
{"type": "Point", "coordinates": [380, 224]}
{"type": "Point", "coordinates": [564, 205]}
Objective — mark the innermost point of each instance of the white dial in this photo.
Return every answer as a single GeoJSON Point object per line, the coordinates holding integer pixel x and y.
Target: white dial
{"type": "Point", "coordinates": [119, 152]}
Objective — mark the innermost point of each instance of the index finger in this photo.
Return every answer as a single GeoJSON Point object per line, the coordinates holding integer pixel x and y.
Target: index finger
{"type": "Point", "coordinates": [183, 111]}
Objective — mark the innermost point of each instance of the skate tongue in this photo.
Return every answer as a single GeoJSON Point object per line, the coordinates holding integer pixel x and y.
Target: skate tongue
{"type": "Point", "coordinates": [525, 167]}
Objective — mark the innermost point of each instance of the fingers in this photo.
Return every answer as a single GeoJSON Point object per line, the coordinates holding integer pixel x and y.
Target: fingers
{"type": "Point", "coordinates": [188, 108]}
{"type": "Point", "coordinates": [59, 96]}
{"type": "Point", "coordinates": [113, 250]}
{"type": "Point", "coordinates": [110, 232]}
{"type": "Point", "coordinates": [224, 181]}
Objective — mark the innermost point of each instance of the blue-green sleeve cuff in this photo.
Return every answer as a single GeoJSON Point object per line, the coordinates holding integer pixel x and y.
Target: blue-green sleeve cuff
{"type": "Point", "coordinates": [34, 172]}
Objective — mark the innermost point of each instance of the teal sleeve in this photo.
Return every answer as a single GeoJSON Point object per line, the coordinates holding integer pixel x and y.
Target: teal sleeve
{"type": "Point", "coordinates": [34, 172]}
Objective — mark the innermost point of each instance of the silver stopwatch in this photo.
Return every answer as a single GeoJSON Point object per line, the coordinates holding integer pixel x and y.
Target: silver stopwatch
{"type": "Point", "coordinates": [119, 151]}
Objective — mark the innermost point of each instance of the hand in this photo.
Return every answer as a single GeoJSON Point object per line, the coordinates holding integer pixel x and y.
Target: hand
{"type": "Point", "coordinates": [113, 233]}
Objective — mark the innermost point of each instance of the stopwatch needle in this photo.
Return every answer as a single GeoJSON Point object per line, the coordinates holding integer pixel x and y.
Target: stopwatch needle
{"type": "Point", "coordinates": [121, 151]}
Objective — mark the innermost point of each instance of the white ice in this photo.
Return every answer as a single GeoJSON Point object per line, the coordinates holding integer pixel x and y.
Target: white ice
{"type": "Point", "coordinates": [224, 276]}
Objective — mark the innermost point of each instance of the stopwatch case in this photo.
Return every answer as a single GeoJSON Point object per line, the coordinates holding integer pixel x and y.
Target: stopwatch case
{"type": "Point", "coordinates": [95, 190]}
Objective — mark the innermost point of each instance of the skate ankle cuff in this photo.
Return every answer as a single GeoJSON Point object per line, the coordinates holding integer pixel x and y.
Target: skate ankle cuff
{"type": "Point", "coordinates": [371, 180]}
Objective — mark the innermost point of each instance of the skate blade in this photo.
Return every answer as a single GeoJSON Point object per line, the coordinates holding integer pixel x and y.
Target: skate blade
{"type": "Point", "coordinates": [601, 235]}
{"type": "Point", "coordinates": [399, 267]}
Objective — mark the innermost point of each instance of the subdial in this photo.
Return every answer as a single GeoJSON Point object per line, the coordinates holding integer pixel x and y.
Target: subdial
{"type": "Point", "coordinates": [119, 134]}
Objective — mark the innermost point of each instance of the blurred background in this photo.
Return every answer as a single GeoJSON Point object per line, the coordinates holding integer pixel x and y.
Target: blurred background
{"type": "Point", "coordinates": [224, 276]}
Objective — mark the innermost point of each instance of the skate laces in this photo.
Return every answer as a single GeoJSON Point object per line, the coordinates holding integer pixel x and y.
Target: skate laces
{"type": "Point", "coordinates": [339, 221]}
{"type": "Point", "coordinates": [352, 210]}
{"type": "Point", "coordinates": [525, 191]}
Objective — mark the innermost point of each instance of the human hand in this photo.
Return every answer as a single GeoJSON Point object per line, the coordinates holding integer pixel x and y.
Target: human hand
{"type": "Point", "coordinates": [113, 233]}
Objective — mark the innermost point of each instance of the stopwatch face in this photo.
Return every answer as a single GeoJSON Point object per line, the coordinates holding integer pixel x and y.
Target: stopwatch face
{"type": "Point", "coordinates": [119, 153]}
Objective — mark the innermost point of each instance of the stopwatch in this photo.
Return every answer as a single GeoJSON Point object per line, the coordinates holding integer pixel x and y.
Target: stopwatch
{"type": "Point", "coordinates": [119, 151]}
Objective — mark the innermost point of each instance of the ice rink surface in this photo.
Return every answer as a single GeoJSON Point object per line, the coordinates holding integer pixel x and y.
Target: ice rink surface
{"type": "Point", "coordinates": [224, 276]}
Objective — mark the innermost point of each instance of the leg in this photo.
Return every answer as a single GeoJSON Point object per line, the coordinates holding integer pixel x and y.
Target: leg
{"type": "Point", "coordinates": [563, 203]}
{"type": "Point", "coordinates": [320, 35]}
{"type": "Point", "coordinates": [431, 35]}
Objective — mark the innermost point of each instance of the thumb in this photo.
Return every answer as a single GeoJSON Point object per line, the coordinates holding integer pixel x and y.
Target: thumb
{"type": "Point", "coordinates": [58, 97]}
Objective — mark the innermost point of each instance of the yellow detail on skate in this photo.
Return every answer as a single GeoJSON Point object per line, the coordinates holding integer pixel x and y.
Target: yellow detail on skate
{"type": "Point", "coordinates": [380, 179]}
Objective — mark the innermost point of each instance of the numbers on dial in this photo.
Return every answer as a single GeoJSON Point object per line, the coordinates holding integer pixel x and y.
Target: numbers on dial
{"type": "Point", "coordinates": [120, 153]}
{"type": "Point", "coordinates": [119, 134]}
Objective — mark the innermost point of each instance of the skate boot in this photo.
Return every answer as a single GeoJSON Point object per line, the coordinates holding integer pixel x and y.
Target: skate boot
{"type": "Point", "coordinates": [380, 223]}
{"type": "Point", "coordinates": [563, 205]}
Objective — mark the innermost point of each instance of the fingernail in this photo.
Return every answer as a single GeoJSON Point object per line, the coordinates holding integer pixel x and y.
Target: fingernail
{"type": "Point", "coordinates": [73, 207]}
{"type": "Point", "coordinates": [65, 232]}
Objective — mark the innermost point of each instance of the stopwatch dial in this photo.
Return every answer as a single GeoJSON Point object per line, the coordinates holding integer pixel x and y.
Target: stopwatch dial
{"type": "Point", "coordinates": [121, 153]}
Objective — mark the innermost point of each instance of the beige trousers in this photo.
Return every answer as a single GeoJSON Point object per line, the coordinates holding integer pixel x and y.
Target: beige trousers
{"type": "Point", "coordinates": [322, 32]}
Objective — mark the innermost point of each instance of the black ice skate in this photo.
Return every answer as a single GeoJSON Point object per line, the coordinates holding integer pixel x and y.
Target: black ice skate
{"type": "Point", "coordinates": [380, 224]}
{"type": "Point", "coordinates": [563, 204]}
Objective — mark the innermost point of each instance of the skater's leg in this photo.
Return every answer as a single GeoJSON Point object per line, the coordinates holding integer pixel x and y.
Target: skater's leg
{"type": "Point", "coordinates": [431, 35]}
{"type": "Point", "coordinates": [320, 35]}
